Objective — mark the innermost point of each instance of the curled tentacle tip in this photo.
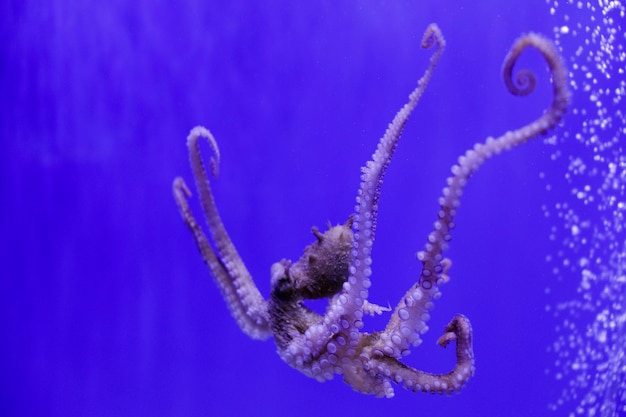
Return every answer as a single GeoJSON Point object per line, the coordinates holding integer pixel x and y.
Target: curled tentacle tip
{"type": "Point", "coordinates": [432, 35]}
{"type": "Point", "coordinates": [192, 142]}
{"type": "Point", "coordinates": [445, 339]}
{"type": "Point", "coordinates": [525, 80]}
{"type": "Point", "coordinates": [526, 83]}
{"type": "Point", "coordinates": [180, 187]}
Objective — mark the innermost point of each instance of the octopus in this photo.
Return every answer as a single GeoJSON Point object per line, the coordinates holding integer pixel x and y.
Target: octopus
{"type": "Point", "coordinates": [338, 265]}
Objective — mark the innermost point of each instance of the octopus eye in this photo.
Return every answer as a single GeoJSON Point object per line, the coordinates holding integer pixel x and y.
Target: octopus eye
{"type": "Point", "coordinates": [283, 289]}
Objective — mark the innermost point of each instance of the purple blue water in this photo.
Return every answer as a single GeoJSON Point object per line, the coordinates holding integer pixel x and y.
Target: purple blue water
{"type": "Point", "coordinates": [106, 306]}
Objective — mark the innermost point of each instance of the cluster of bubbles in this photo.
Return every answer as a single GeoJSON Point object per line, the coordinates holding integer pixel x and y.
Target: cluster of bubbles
{"type": "Point", "coordinates": [590, 224]}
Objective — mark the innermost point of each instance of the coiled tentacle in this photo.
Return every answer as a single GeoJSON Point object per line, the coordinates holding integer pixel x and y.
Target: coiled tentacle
{"type": "Point", "coordinates": [412, 312]}
{"type": "Point", "coordinates": [460, 330]}
{"type": "Point", "coordinates": [231, 275]}
{"type": "Point", "coordinates": [321, 346]}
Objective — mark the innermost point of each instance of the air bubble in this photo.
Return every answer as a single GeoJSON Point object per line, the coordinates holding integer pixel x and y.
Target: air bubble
{"type": "Point", "coordinates": [591, 330]}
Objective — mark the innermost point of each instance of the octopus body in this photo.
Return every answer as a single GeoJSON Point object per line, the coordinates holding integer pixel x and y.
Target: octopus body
{"type": "Point", "coordinates": [337, 265]}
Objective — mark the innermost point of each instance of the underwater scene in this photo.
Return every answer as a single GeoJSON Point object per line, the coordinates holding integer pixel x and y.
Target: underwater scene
{"type": "Point", "coordinates": [107, 305]}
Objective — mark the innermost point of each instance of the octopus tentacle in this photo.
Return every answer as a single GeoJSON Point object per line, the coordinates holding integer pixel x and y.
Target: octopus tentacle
{"type": "Point", "coordinates": [346, 310]}
{"type": "Point", "coordinates": [338, 263]}
{"type": "Point", "coordinates": [216, 266]}
{"type": "Point", "coordinates": [231, 275]}
{"type": "Point", "coordinates": [412, 312]}
{"type": "Point", "coordinates": [458, 329]}
{"type": "Point", "coordinates": [374, 371]}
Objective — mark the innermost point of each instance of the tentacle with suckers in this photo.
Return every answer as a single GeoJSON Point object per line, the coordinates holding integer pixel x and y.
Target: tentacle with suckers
{"type": "Point", "coordinates": [344, 315]}
{"type": "Point", "coordinates": [409, 318]}
{"type": "Point", "coordinates": [231, 275]}
{"type": "Point", "coordinates": [460, 330]}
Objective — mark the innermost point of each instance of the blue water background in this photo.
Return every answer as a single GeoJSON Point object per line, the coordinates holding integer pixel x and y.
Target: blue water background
{"type": "Point", "coordinates": [107, 308]}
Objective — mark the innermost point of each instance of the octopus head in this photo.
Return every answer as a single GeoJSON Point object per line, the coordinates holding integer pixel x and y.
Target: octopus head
{"type": "Point", "coordinates": [322, 269]}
